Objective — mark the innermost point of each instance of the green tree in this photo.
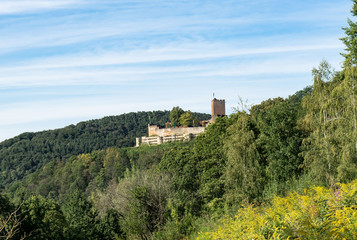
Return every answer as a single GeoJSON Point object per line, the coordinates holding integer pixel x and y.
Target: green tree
{"type": "Point", "coordinates": [181, 166]}
{"type": "Point", "coordinates": [10, 219]}
{"type": "Point", "coordinates": [350, 39]}
{"type": "Point", "coordinates": [346, 91]}
{"type": "Point", "coordinates": [140, 200]}
{"type": "Point", "coordinates": [175, 115]}
{"type": "Point", "coordinates": [279, 140]}
{"type": "Point", "coordinates": [211, 161]}
{"type": "Point", "coordinates": [347, 131]}
{"type": "Point", "coordinates": [5, 206]}
{"type": "Point", "coordinates": [243, 176]}
{"type": "Point", "coordinates": [81, 217]}
{"type": "Point", "coordinates": [185, 203]}
{"type": "Point", "coordinates": [109, 226]}
{"type": "Point", "coordinates": [42, 219]}
{"type": "Point", "coordinates": [347, 170]}
{"type": "Point", "coordinates": [323, 120]}
{"type": "Point", "coordinates": [188, 119]}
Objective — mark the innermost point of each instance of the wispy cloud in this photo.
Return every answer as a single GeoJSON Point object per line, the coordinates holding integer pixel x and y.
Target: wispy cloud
{"type": "Point", "coordinates": [157, 23]}
{"type": "Point", "coordinates": [76, 59]}
{"type": "Point", "coordinates": [25, 6]}
{"type": "Point", "coordinates": [187, 61]}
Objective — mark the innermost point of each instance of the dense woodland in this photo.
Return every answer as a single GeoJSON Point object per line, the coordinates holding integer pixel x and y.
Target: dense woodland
{"type": "Point", "coordinates": [284, 168]}
{"type": "Point", "coordinates": [28, 152]}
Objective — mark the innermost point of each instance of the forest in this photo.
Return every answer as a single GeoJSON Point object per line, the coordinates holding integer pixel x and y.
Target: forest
{"type": "Point", "coordinates": [28, 152]}
{"type": "Point", "coordinates": [282, 169]}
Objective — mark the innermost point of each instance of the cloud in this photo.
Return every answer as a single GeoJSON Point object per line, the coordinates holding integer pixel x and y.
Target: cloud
{"type": "Point", "coordinates": [186, 61]}
{"type": "Point", "coordinates": [25, 6]}
{"type": "Point", "coordinates": [154, 23]}
{"type": "Point", "coordinates": [113, 52]}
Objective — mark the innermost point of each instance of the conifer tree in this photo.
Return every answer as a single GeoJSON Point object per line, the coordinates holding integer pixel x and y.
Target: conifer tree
{"type": "Point", "coordinates": [347, 170]}
{"type": "Point", "coordinates": [350, 39]}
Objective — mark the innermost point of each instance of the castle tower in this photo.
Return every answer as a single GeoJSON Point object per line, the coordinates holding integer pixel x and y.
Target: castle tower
{"type": "Point", "coordinates": [218, 107]}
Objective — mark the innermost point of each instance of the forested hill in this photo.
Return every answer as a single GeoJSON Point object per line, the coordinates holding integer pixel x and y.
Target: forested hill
{"type": "Point", "coordinates": [22, 155]}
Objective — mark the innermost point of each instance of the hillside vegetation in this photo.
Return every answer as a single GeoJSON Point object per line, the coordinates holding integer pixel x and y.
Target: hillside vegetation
{"type": "Point", "coordinates": [175, 190]}
{"type": "Point", "coordinates": [316, 213]}
{"type": "Point", "coordinates": [284, 169]}
{"type": "Point", "coordinates": [24, 154]}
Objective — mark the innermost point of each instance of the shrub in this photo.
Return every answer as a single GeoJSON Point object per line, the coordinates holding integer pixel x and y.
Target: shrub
{"type": "Point", "coordinates": [319, 213]}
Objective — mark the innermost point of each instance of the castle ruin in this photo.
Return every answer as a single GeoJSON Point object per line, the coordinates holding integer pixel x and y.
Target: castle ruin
{"type": "Point", "coordinates": [158, 135]}
{"type": "Point", "coordinates": [218, 108]}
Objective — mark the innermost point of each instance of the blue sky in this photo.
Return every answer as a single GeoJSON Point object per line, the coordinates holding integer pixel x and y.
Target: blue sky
{"type": "Point", "coordinates": [65, 61]}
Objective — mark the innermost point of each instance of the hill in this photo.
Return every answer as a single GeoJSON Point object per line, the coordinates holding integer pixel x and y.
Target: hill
{"type": "Point", "coordinates": [28, 152]}
{"type": "Point", "coordinates": [174, 190]}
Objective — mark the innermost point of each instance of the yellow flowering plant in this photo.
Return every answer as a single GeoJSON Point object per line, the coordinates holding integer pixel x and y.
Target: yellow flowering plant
{"type": "Point", "coordinates": [318, 213]}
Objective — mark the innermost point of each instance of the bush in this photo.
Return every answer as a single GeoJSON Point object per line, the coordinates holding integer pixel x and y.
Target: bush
{"type": "Point", "coordinates": [319, 213]}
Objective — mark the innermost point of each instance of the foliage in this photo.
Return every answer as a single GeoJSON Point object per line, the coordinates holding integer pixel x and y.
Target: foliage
{"type": "Point", "coordinates": [86, 182]}
{"type": "Point", "coordinates": [42, 219]}
{"type": "Point", "coordinates": [188, 119]}
{"type": "Point", "coordinates": [10, 226]}
{"type": "Point", "coordinates": [350, 39]}
{"type": "Point", "coordinates": [29, 152]}
{"type": "Point", "coordinates": [10, 219]}
{"type": "Point", "coordinates": [330, 120]}
{"type": "Point", "coordinates": [140, 199]}
{"type": "Point", "coordinates": [179, 163]}
{"type": "Point", "coordinates": [279, 140]}
{"type": "Point", "coordinates": [185, 202]}
{"type": "Point", "coordinates": [211, 161]}
{"type": "Point", "coordinates": [243, 175]}
{"type": "Point", "coordinates": [175, 115]}
{"type": "Point", "coordinates": [321, 146]}
{"type": "Point", "coordinates": [87, 173]}
{"type": "Point", "coordinates": [5, 205]}
{"type": "Point", "coordinates": [109, 226]}
{"type": "Point", "coordinates": [319, 213]}
{"type": "Point", "coordinates": [81, 218]}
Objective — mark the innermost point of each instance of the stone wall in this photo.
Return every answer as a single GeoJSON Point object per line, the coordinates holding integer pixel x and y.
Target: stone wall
{"type": "Point", "coordinates": [159, 135]}
{"type": "Point", "coordinates": [162, 132]}
{"type": "Point", "coordinates": [157, 140]}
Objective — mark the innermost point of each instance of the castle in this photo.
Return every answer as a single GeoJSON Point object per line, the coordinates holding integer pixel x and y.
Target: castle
{"type": "Point", "coordinates": [158, 135]}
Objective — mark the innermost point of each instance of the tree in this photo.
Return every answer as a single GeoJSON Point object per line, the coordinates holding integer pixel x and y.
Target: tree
{"type": "Point", "coordinates": [243, 176]}
{"type": "Point", "coordinates": [109, 226]}
{"type": "Point", "coordinates": [81, 217]}
{"type": "Point", "coordinates": [188, 119]}
{"type": "Point", "coordinates": [324, 121]}
{"type": "Point", "coordinates": [181, 166]}
{"type": "Point", "coordinates": [10, 219]}
{"type": "Point", "coordinates": [347, 169]}
{"type": "Point", "coordinates": [175, 115]}
{"type": "Point", "coordinates": [42, 219]}
{"type": "Point", "coordinates": [211, 161]}
{"type": "Point", "coordinates": [5, 205]}
{"type": "Point", "coordinates": [350, 39]}
{"type": "Point", "coordinates": [279, 140]}
{"type": "Point", "coordinates": [186, 202]}
{"type": "Point", "coordinates": [140, 199]}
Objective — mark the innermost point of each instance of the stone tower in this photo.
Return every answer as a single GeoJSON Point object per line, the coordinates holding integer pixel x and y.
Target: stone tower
{"type": "Point", "coordinates": [218, 107]}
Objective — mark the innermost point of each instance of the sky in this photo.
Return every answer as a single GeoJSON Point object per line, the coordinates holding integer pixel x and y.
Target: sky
{"type": "Point", "coordinates": [66, 61]}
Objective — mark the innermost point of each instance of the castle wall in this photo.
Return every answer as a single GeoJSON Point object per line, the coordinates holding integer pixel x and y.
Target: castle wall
{"type": "Point", "coordinates": [157, 140]}
{"type": "Point", "coordinates": [162, 132]}
{"type": "Point", "coordinates": [159, 135]}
